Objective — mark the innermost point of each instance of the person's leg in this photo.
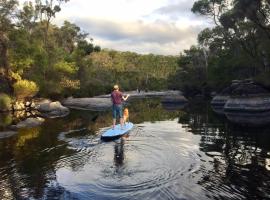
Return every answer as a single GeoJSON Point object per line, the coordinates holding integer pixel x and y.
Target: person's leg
{"type": "Point", "coordinates": [121, 115]}
{"type": "Point", "coordinates": [114, 122]}
{"type": "Point", "coordinates": [114, 116]}
{"type": "Point", "coordinates": [122, 122]}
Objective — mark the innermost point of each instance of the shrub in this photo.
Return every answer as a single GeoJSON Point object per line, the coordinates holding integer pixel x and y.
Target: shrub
{"type": "Point", "coordinates": [5, 102]}
{"type": "Point", "coordinates": [25, 88]}
{"type": "Point", "coordinates": [5, 120]}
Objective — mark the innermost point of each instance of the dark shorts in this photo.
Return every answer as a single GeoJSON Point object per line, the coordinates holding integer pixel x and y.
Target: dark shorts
{"type": "Point", "coordinates": [117, 110]}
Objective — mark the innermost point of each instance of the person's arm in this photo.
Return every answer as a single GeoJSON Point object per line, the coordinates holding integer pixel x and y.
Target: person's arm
{"type": "Point", "coordinates": [111, 98]}
{"type": "Point", "coordinates": [126, 97]}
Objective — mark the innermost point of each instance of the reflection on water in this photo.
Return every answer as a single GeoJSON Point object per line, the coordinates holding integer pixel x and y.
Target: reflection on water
{"type": "Point", "coordinates": [188, 154]}
{"type": "Point", "coordinates": [119, 152]}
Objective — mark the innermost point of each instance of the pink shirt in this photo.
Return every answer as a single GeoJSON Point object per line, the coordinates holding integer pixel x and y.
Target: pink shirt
{"type": "Point", "coordinates": [116, 97]}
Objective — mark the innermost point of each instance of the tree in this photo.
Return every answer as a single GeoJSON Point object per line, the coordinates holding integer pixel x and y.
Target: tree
{"type": "Point", "coordinates": [7, 12]}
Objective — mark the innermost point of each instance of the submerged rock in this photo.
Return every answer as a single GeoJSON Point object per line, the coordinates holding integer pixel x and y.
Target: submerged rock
{"type": "Point", "coordinates": [174, 102]}
{"type": "Point", "coordinates": [5, 134]}
{"type": "Point", "coordinates": [52, 109]}
{"type": "Point", "coordinates": [249, 118]}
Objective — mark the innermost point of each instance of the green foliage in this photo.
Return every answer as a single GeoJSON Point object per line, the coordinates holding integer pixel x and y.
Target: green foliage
{"type": "Point", "coordinates": [65, 67]}
{"type": "Point", "coordinates": [25, 88]}
{"type": "Point", "coordinates": [191, 77]}
{"type": "Point", "coordinates": [236, 48]}
{"type": "Point", "coordinates": [5, 119]}
{"type": "Point", "coordinates": [263, 79]}
{"type": "Point", "coordinates": [130, 70]}
{"type": "Point", "coordinates": [59, 61]}
{"type": "Point", "coordinates": [5, 102]}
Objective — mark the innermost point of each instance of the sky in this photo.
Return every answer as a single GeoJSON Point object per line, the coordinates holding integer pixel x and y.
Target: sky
{"type": "Point", "coordinates": [165, 27]}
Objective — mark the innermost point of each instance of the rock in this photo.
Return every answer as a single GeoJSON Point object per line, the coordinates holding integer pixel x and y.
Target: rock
{"type": "Point", "coordinates": [218, 103]}
{"type": "Point", "coordinates": [28, 104]}
{"type": "Point", "coordinates": [33, 106]}
{"type": "Point", "coordinates": [248, 104]}
{"type": "Point", "coordinates": [220, 99]}
{"type": "Point", "coordinates": [179, 99]}
{"type": "Point", "coordinates": [52, 109]}
{"type": "Point", "coordinates": [143, 94]}
{"type": "Point", "coordinates": [103, 102]}
{"type": "Point", "coordinates": [95, 104]}
{"type": "Point", "coordinates": [29, 122]}
{"type": "Point", "coordinates": [249, 89]}
{"type": "Point", "coordinates": [5, 134]}
{"type": "Point", "coordinates": [248, 97]}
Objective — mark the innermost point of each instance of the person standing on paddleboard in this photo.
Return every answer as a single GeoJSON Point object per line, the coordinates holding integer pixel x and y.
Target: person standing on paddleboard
{"type": "Point", "coordinates": [117, 107]}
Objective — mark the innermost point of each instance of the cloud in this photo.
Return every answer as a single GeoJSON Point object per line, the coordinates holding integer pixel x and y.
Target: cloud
{"type": "Point", "coordinates": [156, 26]}
{"type": "Point", "coordinates": [138, 31]}
{"type": "Point", "coordinates": [172, 48]}
{"type": "Point", "coordinates": [176, 9]}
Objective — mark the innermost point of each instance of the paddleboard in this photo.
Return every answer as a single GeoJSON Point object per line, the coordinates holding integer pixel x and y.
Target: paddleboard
{"type": "Point", "coordinates": [117, 131]}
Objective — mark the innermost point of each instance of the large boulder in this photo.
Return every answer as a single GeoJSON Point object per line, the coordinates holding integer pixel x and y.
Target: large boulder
{"type": "Point", "coordinates": [94, 104]}
{"type": "Point", "coordinates": [103, 102]}
{"type": "Point", "coordinates": [248, 104]}
{"type": "Point", "coordinates": [28, 123]}
{"type": "Point", "coordinates": [248, 97]}
{"type": "Point", "coordinates": [150, 94]}
{"type": "Point", "coordinates": [52, 109]}
{"type": "Point", "coordinates": [221, 98]}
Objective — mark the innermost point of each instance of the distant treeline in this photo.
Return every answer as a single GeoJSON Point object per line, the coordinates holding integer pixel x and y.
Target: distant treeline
{"type": "Point", "coordinates": [238, 47]}
{"type": "Point", "coordinates": [38, 58]}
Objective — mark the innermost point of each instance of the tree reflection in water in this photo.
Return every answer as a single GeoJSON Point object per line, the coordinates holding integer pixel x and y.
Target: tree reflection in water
{"type": "Point", "coordinates": [240, 155]}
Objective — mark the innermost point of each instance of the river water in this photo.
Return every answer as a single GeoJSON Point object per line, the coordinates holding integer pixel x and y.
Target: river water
{"type": "Point", "coordinates": [181, 153]}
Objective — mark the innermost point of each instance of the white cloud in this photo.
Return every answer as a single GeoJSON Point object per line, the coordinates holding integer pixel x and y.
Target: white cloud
{"type": "Point", "coordinates": [152, 26]}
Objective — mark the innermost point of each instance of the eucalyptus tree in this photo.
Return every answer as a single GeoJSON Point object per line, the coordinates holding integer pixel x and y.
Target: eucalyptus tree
{"type": "Point", "coordinates": [46, 10]}
{"type": "Point", "coordinates": [242, 30]}
{"type": "Point", "coordinates": [8, 10]}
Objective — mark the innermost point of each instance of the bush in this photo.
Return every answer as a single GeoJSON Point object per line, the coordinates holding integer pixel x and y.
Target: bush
{"type": "Point", "coordinates": [5, 102]}
{"type": "Point", "coordinates": [25, 88]}
{"type": "Point", "coordinates": [5, 120]}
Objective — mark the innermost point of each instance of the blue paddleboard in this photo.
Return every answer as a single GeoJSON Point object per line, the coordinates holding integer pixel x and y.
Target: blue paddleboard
{"type": "Point", "coordinates": [117, 131]}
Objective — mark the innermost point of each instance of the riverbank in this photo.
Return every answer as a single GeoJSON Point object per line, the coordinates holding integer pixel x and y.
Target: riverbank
{"type": "Point", "coordinates": [45, 108]}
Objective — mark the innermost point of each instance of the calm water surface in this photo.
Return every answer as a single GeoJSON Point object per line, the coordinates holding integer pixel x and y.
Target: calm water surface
{"type": "Point", "coordinates": [188, 153]}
